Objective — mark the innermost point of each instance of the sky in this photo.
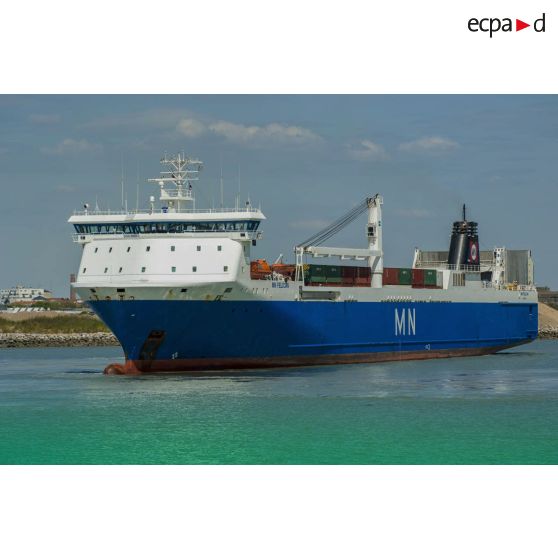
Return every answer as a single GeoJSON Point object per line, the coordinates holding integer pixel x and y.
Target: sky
{"type": "Point", "coordinates": [306, 159]}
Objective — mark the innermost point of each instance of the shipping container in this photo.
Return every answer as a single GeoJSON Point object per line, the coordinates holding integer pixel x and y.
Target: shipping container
{"type": "Point", "coordinates": [325, 273]}
{"type": "Point", "coordinates": [315, 273]}
{"type": "Point", "coordinates": [417, 277]}
{"type": "Point", "coordinates": [405, 276]}
{"type": "Point", "coordinates": [430, 277]}
{"type": "Point", "coordinates": [391, 276]}
{"type": "Point", "coordinates": [348, 271]}
{"type": "Point", "coordinates": [333, 271]}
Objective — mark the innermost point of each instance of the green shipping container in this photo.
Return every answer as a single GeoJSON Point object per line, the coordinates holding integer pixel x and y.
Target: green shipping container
{"type": "Point", "coordinates": [324, 273]}
{"type": "Point", "coordinates": [405, 276]}
{"type": "Point", "coordinates": [333, 272]}
{"type": "Point", "coordinates": [430, 277]}
{"type": "Point", "coordinates": [316, 274]}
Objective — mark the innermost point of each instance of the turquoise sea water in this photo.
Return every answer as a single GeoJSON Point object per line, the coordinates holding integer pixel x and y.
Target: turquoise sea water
{"type": "Point", "coordinates": [57, 407]}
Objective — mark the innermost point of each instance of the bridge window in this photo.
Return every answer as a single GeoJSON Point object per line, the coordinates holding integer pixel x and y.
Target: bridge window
{"type": "Point", "coordinates": [143, 269]}
{"type": "Point", "coordinates": [198, 248]}
{"type": "Point", "coordinates": [147, 248]}
{"type": "Point", "coordinates": [219, 248]}
{"type": "Point", "coordinates": [172, 248]}
{"type": "Point", "coordinates": [158, 228]}
{"type": "Point", "coordinates": [173, 269]}
{"type": "Point", "coordinates": [194, 269]}
{"type": "Point", "coordinates": [106, 269]}
{"type": "Point", "coordinates": [226, 268]}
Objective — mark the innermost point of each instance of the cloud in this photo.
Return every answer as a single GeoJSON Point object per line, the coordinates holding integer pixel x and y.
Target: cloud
{"type": "Point", "coordinates": [186, 124]}
{"type": "Point", "coordinates": [239, 133]}
{"type": "Point", "coordinates": [70, 146]}
{"type": "Point", "coordinates": [44, 118]}
{"type": "Point", "coordinates": [430, 144]}
{"type": "Point", "coordinates": [367, 150]}
{"type": "Point", "coordinates": [191, 128]}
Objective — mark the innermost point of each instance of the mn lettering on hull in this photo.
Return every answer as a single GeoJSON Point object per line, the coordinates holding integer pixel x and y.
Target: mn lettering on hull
{"type": "Point", "coordinates": [405, 321]}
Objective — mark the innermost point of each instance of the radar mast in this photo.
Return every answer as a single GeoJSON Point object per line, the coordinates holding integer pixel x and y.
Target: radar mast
{"type": "Point", "coordinates": [176, 183]}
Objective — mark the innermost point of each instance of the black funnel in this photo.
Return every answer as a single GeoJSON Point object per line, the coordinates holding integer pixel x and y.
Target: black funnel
{"type": "Point", "coordinates": [464, 245]}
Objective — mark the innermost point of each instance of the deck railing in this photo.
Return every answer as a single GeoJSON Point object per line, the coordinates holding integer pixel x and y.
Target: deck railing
{"type": "Point", "coordinates": [453, 267]}
{"type": "Point", "coordinates": [243, 210]}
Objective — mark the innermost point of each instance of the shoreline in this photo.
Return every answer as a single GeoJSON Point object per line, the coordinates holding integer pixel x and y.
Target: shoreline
{"type": "Point", "coordinates": [30, 340]}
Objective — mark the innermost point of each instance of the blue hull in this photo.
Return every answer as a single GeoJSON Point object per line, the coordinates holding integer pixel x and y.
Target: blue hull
{"type": "Point", "coordinates": [189, 335]}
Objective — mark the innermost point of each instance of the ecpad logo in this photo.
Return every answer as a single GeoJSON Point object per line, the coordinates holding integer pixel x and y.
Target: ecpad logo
{"type": "Point", "coordinates": [493, 25]}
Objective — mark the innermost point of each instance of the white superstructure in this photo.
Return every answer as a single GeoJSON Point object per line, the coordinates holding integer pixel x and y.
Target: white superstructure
{"type": "Point", "coordinates": [175, 251]}
{"type": "Point", "coordinates": [168, 246]}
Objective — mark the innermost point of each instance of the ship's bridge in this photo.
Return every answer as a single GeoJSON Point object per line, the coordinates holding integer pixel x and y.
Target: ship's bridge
{"type": "Point", "coordinates": [237, 223]}
{"type": "Point", "coordinates": [177, 214]}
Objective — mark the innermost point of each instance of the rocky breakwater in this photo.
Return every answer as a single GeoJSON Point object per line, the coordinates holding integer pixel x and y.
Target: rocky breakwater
{"type": "Point", "coordinates": [98, 339]}
{"type": "Point", "coordinates": [548, 322]}
{"type": "Point", "coordinates": [548, 332]}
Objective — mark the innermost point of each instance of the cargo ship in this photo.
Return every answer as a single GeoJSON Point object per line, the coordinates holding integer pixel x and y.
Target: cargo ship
{"type": "Point", "coordinates": [178, 287]}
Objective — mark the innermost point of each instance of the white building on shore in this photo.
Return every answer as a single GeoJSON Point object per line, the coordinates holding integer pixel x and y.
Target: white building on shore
{"type": "Point", "coordinates": [23, 294]}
